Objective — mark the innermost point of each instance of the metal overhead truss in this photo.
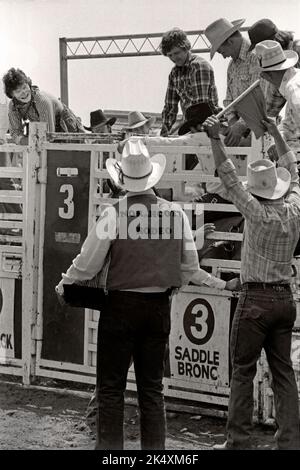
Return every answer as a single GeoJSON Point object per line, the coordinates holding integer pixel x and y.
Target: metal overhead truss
{"type": "Point", "coordinates": [101, 47]}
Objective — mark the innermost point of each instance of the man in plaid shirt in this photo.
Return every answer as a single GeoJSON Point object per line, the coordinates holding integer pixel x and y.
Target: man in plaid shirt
{"type": "Point", "coordinates": [191, 80]}
{"type": "Point", "coordinates": [266, 311]}
{"type": "Point", "coordinates": [243, 70]}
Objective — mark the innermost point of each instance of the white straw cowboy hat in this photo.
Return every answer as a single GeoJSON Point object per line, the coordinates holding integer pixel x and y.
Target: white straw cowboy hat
{"type": "Point", "coordinates": [137, 119]}
{"type": "Point", "coordinates": [136, 171]}
{"type": "Point", "coordinates": [267, 181]}
{"type": "Point", "coordinates": [271, 56]}
{"type": "Point", "coordinates": [220, 30]}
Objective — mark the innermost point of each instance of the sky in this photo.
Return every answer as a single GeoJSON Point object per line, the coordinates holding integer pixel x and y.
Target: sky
{"type": "Point", "coordinates": [30, 32]}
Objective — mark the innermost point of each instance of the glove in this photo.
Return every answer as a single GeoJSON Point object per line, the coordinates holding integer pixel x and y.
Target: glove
{"type": "Point", "coordinates": [164, 131]}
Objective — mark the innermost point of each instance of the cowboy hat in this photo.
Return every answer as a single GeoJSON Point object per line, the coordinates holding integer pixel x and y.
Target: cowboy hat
{"type": "Point", "coordinates": [260, 31]}
{"type": "Point", "coordinates": [267, 181]}
{"type": "Point", "coordinates": [136, 171]}
{"type": "Point", "coordinates": [271, 56]}
{"type": "Point", "coordinates": [98, 118]}
{"type": "Point", "coordinates": [195, 114]}
{"type": "Point", "coordinates": [220, 30]}
{"type": "Point", "coordinates": [137, 119]}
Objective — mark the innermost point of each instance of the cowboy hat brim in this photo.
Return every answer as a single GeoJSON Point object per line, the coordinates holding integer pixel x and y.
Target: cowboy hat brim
{"type": "Point", "coordinates": [281, 188]}
{"type": "Point", "coordinates": [203, 115]}
{"type": "Point", "coordinates": [150, 120]}
{"type": "Point", "coordinates": [186, 126]}
{"type": "Point", "coordinates": [237, 24]}
{"type": "Point", "coordinates": [108, 122]}
{"type": "Point", "coordinates": [158, 162]}
{"type": "Point", "coordinates": [291, 60]}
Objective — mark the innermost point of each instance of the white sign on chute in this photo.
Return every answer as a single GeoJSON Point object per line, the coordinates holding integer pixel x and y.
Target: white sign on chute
{"type": "Point", "coordinates": [7, 291]}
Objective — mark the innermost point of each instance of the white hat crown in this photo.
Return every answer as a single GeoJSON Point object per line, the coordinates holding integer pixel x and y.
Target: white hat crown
{"type": "Point", "coordinates": [267, 181]}
{"type": "Point", "coordinates": [270, 53]}
{"type": "Point", "coordinates": [135, 159]}
{"type": "Point", "coordinates": [136, 171]}
{"type": "Point", "coordinates": [262, 174]}
{"type": "Point", "coordinates": [271, 56]}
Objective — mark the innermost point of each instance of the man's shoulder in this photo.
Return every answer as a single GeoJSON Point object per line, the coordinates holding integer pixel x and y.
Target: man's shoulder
{"type": "Point", "coordinates": [296, 45]}
{"type": "Point", "coordinates": [174, 72]}
{"type": "Point", "coordinates": [11, 106]}
{"type": "Point", "coordinates": [166, 205]}
{"type": "Point", "coordinates": [198, 62]}
{"type": "Point", "coordinates": [45, 97]}
{"type": "Point", "coordinates": [292, 84]}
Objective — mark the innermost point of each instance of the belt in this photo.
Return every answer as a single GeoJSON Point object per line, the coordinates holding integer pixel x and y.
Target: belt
{"type": "Point", "coordinates": [139, 294]}
{"type": "Point", "coordinates": [266, 285]}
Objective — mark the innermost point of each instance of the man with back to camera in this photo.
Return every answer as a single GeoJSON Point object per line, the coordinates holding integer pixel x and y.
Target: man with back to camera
{"type": "Point", "coordinates": [266, 310]}
{"type": "Point", "coordinates": [141, 271]}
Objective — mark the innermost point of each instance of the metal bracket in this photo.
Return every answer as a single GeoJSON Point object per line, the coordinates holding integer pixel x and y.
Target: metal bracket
{"type": "Point", "coordinates": [42, 175]}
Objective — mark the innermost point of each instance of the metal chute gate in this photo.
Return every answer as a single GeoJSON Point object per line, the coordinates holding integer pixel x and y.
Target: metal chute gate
{"type": "Point", "coordinates": [60, 189]}
{"type": "Point", "coordinates": [19, 225]}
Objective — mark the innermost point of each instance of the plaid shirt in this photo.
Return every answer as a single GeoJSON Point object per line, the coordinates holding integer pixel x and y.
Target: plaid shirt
{"type": "Point", "coordinates": [41, 108]}
{"type": "Point", "coordinates": [272, 228]}
{"type": "Point", "coordinates": [191, 84]}
{"type": "Point", "coordinates": [241, 73]}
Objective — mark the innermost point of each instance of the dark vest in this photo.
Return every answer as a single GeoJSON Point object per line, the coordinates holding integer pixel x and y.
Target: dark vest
{"type": "Point", "coordinates": [147, 251]}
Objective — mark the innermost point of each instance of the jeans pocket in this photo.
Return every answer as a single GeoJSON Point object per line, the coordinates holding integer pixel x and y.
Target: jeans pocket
{"type": "Point", "coordinates": [257, 306]}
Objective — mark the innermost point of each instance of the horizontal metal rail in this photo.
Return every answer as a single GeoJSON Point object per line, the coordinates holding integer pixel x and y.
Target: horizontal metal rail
{"type": "Point", "coordinates": [134, 45]}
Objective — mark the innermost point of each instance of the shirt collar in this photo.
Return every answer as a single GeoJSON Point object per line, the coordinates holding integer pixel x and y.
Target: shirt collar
{"type": "Point", "coordinates": [273, 202]}
{"type": "Point", "coordinates": [288, 75]}
{"type": "Point", "coordinates": [147, 192]}
{"type": "Point", "coordinates": [244, 50]}
{"type": "Point", "coordinates": [190, 58]}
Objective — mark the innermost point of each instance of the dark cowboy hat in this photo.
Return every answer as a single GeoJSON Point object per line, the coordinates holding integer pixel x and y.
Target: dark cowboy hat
{"type": "Point", "coordinates": [194, 115]}
{"type": "Point", "coordinates": [98, 117]}
{"type": "Point", "coordinates": [260, 31]}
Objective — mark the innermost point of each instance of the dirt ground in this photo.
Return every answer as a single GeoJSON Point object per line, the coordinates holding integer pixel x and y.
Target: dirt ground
{"type": "Point", "coordinates": [42, 419]}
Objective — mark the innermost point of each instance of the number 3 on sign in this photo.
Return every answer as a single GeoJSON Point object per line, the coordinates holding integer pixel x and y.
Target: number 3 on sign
{"type": "Point", "coordinates": [67, 212]}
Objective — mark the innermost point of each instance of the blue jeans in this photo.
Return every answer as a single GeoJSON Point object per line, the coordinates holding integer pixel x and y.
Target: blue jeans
{"type": "Point", "coordinates": [264, 318]}
{"type": "Point", "coordinates": [132, 325]}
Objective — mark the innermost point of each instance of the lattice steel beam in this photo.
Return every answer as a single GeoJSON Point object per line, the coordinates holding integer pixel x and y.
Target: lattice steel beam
{"type": "Point", "coordinates": [127, 45]}
{"type": "Point", "coordinates": [101, 47]}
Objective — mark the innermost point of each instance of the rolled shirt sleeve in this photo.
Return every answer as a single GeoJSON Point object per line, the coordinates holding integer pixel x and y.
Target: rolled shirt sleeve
{"type": "Point", "coordinates": [15, 124]}
{"type": "Point", "coordinates": [247, 204]}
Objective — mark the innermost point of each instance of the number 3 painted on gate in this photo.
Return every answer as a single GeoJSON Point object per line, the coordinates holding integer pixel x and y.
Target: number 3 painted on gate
{"type": "Point", "coordinates": [199, 331]}
{"type": "Point", "coordinates": [199, 321]}
{"type": "Point", "coordinates": [69, 213]}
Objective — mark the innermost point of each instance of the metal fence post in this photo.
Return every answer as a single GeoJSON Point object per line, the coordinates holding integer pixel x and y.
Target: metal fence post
{"type": "Point", "coordinates": [31, 191]}
{"type": "Point", "coordinates": [63, 64]}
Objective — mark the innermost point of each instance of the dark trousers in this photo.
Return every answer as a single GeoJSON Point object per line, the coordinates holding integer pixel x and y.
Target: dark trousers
{"type": "Point", "coordinates": [132, 325]}
{"type": "Point", "coordinates": [264, 318]}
